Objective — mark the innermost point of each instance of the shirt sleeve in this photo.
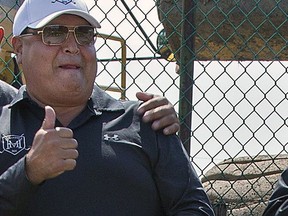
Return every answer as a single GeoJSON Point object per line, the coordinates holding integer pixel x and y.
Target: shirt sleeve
{"type": "Point", "coordinates": [179, 186]}
{"type": "Point", "coordinates": [7, 93]}
{"type": "Point", "coordinates": [278, 202]}
{"type": "Point", "coordinates": [15, 189]}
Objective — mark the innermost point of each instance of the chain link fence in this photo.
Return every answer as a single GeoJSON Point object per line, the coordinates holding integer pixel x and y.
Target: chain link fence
{"type": "Point", "coordinates": [226, 74]}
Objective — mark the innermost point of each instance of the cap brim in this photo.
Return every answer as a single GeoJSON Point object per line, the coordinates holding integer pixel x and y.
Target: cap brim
{"type": "Point", "coordinates": [47, 19]}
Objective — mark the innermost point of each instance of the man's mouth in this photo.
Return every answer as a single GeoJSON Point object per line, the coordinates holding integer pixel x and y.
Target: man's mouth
{"type": "Point", "coordinates": [68, 66]}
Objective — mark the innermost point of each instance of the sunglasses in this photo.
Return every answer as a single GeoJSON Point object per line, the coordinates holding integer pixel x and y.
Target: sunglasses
{"type": "Point", "coordinates": [58, 34]}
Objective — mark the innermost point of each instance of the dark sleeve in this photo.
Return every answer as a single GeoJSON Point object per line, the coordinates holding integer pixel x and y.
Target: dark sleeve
{"type": "Point", "coordinates": [15, 189]}
{"type": "Point", "coordinates": [179, 186]}
{"type": "Point", "coordinates": [278, 202]}
{"type": "Point", "coordinates": [7, 93]}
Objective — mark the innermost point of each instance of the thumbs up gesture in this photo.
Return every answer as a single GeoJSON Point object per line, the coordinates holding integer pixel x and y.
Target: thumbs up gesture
{"type": "Point", "coordinates": [53, 150]}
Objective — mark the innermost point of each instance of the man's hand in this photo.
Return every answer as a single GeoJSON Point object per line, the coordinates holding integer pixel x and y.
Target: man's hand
{"type": "Point", "coordinates": [53, 150]}
{"type": "Point", "coordinates": [160, 111]}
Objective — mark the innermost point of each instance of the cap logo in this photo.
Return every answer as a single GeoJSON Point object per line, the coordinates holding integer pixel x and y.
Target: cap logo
{"type": "Point", "coordinates": [65, 2]}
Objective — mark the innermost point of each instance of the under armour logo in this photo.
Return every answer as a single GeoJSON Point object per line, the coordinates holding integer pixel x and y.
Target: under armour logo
{"type": "Point", "coordinates": [65, 2]}
{"type": "Point", "coordinates": [115, 137]}
{"type": "Point", "coordinates": [13, 144]}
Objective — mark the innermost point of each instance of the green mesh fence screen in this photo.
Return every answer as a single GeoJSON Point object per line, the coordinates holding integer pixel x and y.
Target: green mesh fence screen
{"type": "Point", "coordinates": [221, 63]}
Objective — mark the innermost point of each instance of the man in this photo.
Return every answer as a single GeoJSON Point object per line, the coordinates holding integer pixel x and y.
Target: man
{"type": "Point", "coordinates": [7, 92]}
{"type": "Point", "coordinates": [69, 148]}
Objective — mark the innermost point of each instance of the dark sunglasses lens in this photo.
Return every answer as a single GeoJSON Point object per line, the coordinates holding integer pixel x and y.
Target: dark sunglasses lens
{"type": "Point", "coordinates": [85, 35]}
{"type": "Point", "coordinates": [54, 35]}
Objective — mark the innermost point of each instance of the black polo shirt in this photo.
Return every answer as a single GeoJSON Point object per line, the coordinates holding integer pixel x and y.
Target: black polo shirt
{"type": "Point", "coordinates": [123, 168]}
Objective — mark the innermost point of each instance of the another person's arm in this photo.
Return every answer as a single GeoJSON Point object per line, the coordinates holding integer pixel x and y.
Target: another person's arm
{"type": "Point", "coordinates": [278, 202]}
{"type": "Point", "coordinates": [159, 111]}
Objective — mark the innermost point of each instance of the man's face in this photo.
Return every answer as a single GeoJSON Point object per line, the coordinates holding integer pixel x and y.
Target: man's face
{"type": "Point", "coordinates": [58, 75]}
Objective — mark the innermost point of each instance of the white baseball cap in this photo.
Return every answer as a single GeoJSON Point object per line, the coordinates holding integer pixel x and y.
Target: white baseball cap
{"type": "Point", "coordinates": [38, 13]}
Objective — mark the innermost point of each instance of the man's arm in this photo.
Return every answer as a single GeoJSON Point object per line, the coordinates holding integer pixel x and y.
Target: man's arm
{"type": "Point", "coordinates": [178, 184]}
{"type": "Point", "coordinates": [53, 152]}
{"type": "Point", "coordinates": [15, 189]}
{"type": "Point", "coordinates": [159, 111]}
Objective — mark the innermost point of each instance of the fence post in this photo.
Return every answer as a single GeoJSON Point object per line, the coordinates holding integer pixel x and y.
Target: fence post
{"type": "Point", "coordinates": [186, 73]}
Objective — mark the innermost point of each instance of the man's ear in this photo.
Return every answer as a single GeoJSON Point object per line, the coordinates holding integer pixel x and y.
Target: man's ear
{"type": "Point", "coordinates": [17, 44]}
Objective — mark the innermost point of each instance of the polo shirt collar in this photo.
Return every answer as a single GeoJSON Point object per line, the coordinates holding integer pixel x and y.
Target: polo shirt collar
{"type": "Point", "coordinates": [20, 96]}
{"type": "Point", "coordinates": [101, 101]}
{"type": "Point", "coordinates": [104, 102]}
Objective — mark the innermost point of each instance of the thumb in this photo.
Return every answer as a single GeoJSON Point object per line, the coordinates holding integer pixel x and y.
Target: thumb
{"type": "Point", "coordinates": [50, 118]}
{"type": "Point", "coordinates": [143, 96]}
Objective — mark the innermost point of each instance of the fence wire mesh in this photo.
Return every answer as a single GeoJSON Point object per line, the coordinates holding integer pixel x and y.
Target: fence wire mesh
{"type": "Point", "coordinates": [229, 79]}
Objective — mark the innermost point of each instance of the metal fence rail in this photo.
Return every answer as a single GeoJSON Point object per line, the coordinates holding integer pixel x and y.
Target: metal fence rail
{"type": "Point", "coordinates": [229, 83]}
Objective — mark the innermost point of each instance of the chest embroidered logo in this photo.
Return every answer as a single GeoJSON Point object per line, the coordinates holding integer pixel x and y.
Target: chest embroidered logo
{"type": "Point", "coordinates": [65, 2]}
{"type": "Point", "coordinates": [115, 137]}
{"type": "Point", "coordinates": [13, 144]}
